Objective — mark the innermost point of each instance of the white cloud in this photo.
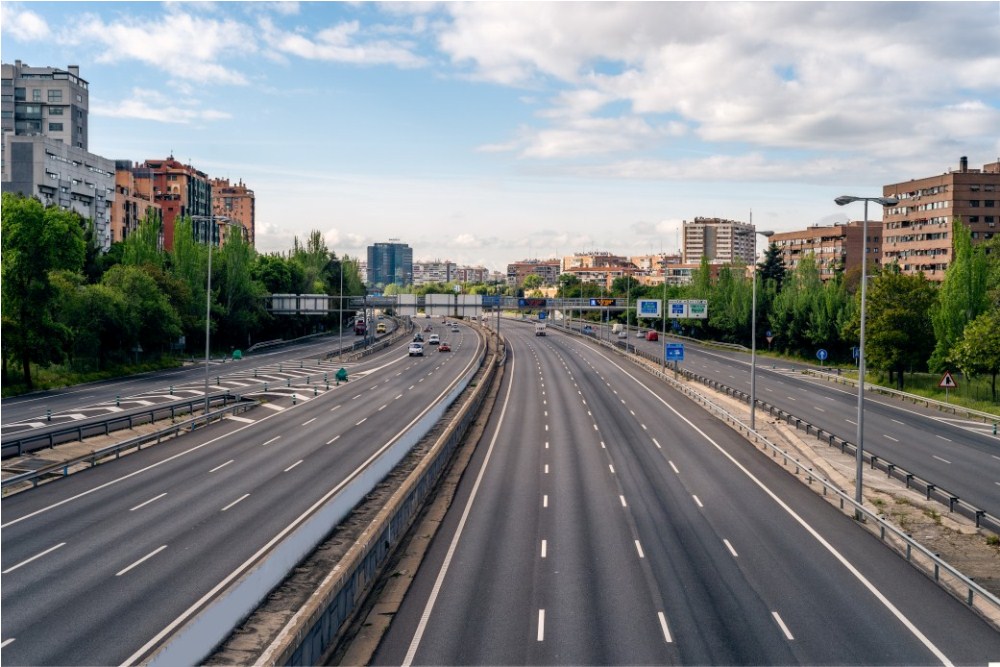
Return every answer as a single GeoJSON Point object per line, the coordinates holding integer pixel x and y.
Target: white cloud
{"type": "Point", "coordinates": [343, 42]}
{"type": "Point", "coordinates": [153, 105]}
{"type": "Point", "coordinates": [21, 24]}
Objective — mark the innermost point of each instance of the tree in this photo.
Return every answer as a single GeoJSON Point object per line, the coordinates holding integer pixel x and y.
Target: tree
{"type": "Point", "coordinates": [962, 297]}
{"type": "Point", "coordinates": [773, 267]}
{"type": "Point", "coordinates": [239, 295]}
{"type": "Point", "coordinates": [532, 282]}
{"type": "Point", "coordinates": [978, 350]}
{"type": "Point", "coordinates": [898, 335]}
{"type": "Point", "coordinates": [143, 245]}
{"type": "Point", "coordinates": [35, 241]}
{"type": "Point", "coordinates": [148, 317]}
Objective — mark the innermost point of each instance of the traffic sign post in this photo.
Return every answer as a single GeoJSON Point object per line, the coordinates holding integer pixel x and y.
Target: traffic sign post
{"type": "Point", "coordinates": [674, 352]}
{"type": "Point", "coordinates": [821, 355]}
{"type": "Point", "coordinates": [947, 382]}
{"type": "Point", "coordinates": [769, 336]}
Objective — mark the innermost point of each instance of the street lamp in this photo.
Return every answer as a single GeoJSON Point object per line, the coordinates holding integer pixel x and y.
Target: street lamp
{"type": "Point", "coordinates": [209, 238]}
{"type": "Point", "coordinates": [753, 336]}
{"type": "Point", "coordinates": [842, 201]}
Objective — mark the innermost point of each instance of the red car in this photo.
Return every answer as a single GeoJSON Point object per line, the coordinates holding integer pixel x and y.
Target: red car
{"type": "Point", "coordinates": [444, 347]}
{"type": "Point", "coordinates": [652, 335]}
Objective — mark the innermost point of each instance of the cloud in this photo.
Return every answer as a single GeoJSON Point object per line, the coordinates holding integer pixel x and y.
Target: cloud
{"type": "Point", "coordinates": [21, 24]}
{"type": "Point", "coordinates": [342, 42]}
{"type": "Point", "coordinates": [153, 105]}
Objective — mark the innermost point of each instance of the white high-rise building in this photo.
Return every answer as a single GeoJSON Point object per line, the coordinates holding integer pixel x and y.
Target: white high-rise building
{"type": "Point", "coordinates": [723, 241]}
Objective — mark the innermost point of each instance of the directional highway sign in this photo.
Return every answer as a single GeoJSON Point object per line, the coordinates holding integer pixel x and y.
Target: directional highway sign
{"type": "Point", "coordinates": [675, 351]}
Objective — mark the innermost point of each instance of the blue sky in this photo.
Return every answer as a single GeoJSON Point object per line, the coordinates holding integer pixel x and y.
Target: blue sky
{"type": "Point", "coordinates": [490, 132]}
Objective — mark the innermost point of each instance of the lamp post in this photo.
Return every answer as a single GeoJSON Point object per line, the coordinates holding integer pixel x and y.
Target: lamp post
{"type": "Point", "coordinates": [209, 238]}
{"type": "Point", "coordinates": [340, 344]}
{"type": "Point", "coordinates": [753, 337]}
{"type": "Point", "coordinates": [628, 297]}
{"type": "Point", "coordinates": [859, 449]}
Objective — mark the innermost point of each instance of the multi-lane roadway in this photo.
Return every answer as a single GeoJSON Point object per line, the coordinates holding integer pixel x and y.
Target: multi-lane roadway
{"type": "Point", "coordinates": [604, 519]}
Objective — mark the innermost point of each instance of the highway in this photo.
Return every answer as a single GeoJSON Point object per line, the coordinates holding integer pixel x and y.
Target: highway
{"type": "Point", "coordinates": [604, 519]}
{"type": "Point", "coordinates": [960, 455]}
{"type": "Point", "coordinates": [98, 566]}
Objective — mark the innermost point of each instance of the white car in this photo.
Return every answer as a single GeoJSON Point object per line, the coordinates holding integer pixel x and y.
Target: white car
{"type": "Point", "coordinates": [454, 328]}
{"type": "Point", "coordinates": [623, 334]}
{"type": "Point", "coordinates": [416, 349]}
{"type": "Point", "coordinates": [434, 339]}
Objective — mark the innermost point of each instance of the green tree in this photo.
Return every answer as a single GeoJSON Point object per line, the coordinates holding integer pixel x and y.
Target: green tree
{"type": "Point", "coordinates": [791, 315]}
{"type": "Point", "coordinates": [143, 245]}
{"type": "Point", "coordinates": [240, 296]}
{"type": "Point", "coordinates": [977, 352]}
{"type": "Point", "coordinates": [898, 334]}
{"type": "Point", "coordinates": [35, 241]}
{"type": "Point", "coordinates": [773, 267]}
{"type": "Point", "coordinates": [532, 282]}
{"type": "Point", "coordinates": [962, 297]}
{"type": "Point", "coordinates": [148, 318]}
{"type": "Point", "coordinates": [95, 316]}
{"type": "Point", "coordinates": [730, 304]}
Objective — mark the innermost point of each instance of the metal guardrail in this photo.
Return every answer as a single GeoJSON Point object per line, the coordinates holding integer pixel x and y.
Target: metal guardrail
{"type": "Point", "coordinates": [986, 417]}
{"type": "Point", "coordinates": [96, 457]}
{"type": "Point", "coordinates": [51, 437]}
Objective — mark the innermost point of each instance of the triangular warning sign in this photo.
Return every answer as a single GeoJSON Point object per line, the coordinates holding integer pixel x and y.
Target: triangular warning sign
{"type": "Point", "coordinates": [948, 382]}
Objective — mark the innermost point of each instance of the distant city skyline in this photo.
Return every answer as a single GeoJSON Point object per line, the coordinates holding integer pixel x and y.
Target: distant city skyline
{"type": "Point", "coordinates": [488, 133]}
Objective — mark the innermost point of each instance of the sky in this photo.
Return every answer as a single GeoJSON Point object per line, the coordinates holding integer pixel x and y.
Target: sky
{"type": "Point", "coordinates": [487, 133]}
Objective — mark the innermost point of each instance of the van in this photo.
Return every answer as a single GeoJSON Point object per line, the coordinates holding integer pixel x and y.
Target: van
{"type": "Point", "coordinates": [616, 327]}
{"type": "Point", "coordinates": [380, 328]}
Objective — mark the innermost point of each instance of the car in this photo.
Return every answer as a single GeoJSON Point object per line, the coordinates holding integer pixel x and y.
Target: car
{"type": "Point", "coordinates": [623, 334]}
{"type": "Point", "coordinates": [652, 335]}
{"type": "Point", "coordinates": [380, 328]}
{"type": "Point", "coordinates": [417, 338]}
{"type": "Point", "coordinates": [639, 334]}
{"type": "Point", "coordinates": [454, 328]}
{"type": "Point", "coordinates": [428, 328]}
{"type": "Point", "coordinates": [416, 349]}
{"type": "Point", "coordinates": [444, 346]}
{"type": "Point", "coordinates": [588, 330]}
{"type": "Point", "coordinates": [434, 340]}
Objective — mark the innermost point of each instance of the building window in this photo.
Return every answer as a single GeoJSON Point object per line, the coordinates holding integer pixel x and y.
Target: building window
{"type": "Point", "coordinates": [55, 127]}
{"type": "Point", "coordinates": [36, 95]}
{"type": "Point", "coordinates": [989, 203]}
{"type": "Point", "coordinates": [974, 203]}
{"type": "Point", "coordinates": [55, 111]}
{"type": "Point", "coordinates": [19, 94]}
{"type": "Point", "coordinates": [973, 218]}
{"type": "Point", "coordinates": [55, 96]}
{"type": "Point", "coordinates": [79, 98]}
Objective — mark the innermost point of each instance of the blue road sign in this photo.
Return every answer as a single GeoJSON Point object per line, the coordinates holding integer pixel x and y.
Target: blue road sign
{"type": "Point", "coordinates": [542, 314]}
{"type": "Point", "coordinates": [821, 354]}
{"type": "Point", "coordinates": [769, 334]}
{"type": "Point", "coordinates": [855, 351]}
{"type": "Point", "coordinates": [491, 301]}
{"type": "Point", "coordinates": [675, 351]}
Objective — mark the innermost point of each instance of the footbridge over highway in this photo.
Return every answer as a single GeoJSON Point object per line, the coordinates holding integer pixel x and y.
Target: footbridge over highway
{"type": "Point", "coordinates": [448, 305]}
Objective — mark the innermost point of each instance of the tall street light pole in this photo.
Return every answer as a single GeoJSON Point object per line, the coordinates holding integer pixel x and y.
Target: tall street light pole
{"type": "Point", "coordinates": [859, 463]}
{"type": "Point", "coordinates": [208, 290]}
{"type": "Point", "coordinates": [340, 345]}
{"type": "Point", "coordinates": [753, 337]}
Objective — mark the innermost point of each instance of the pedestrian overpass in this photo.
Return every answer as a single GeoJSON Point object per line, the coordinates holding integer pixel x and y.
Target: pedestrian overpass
{"type": "Point", "coordinates": [433, 305]}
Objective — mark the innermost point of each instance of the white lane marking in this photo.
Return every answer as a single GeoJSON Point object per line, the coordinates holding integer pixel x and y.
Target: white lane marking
{"type": "Point", "coordinates": [944, 438]}
{"type": "Point", "coordinates": [612, 468]}
{"type": "Point", "coordinates": [657, 444]}
{"type": "Point", "coordinates": [632, 411]}
{"type": "Point", "coordinates": [383, 407]}
{"type": "Point", "coordinates": [292, 466]}
{"type": "Point", "coordinates": [731, 549]}
{"type": "Point", "coordinates": [219, 467]}
{"type": "Point", "coordinates": [942, 460]}
{"type": "Point", "coordinates": [546, 427]}
{"type": "Point", "coordinates": [818, 409]}
{"type": "Point", "coordinates": [898, 422]}
{"type": "Point", "coordinates": [541, 625]}
{"type": "Point", "coordinates": [546, 444]}
{"type": "Point", "coordinates": [595, 427]}
{"type": "Point", "coordinates": [141, 560]}
{"type": "Point", "coordinates": [277, 437]}
{"type": "Point", "coordinates": [398, 397]}
{"type": "Point", "coordinates": [622, 498]}
{"type": "Point", "coordinates": [674, 467]}
{"type": "Point", "coordinates": [333, 440]}
{"type": "Point", "coordinates": [5, 642]}
{"type": "Point", "coordinates": [545, 500]}
{"type": "Point", "coordinates": [359, 396]}
{"type": "Point", "coordinates": [148, 501]}
{"type": "Point", "coordinates": [335, 407]}
{"type": "Point", "coordinates": [851, 422]}
{"type": "Point", "coordinates": [663, 626]}
{"type": "Point", "coordinates": [781, 624]}
{"type": "Point", "coordinates": [545, 545]}
{"type": "Point", "coordinates": [638, 547]}
{"type": "Point", "coordinates": [241, 498]}
{"type": "Point", "coordinates": [602, 445]}
{"type": "Point", "coordinates": [309, 422]}
{"type": "Point", "coordinates": [697, 501]}
{"type": "Point", "coordinates": [546, 468]}
{"type": "Point", "coordinates": [240, 419]}
{"type": "Point", "coordinates": [790, 398]}
{"type": "Point", "coordinates": [643, 427]}
{"type": "Point", "coordinates": [361, 422]}
{"type": "Point", "coordinates": [890, 437]}
{"type": "Point", "coordinates": [768, 389]}
{"type": "Point", "coordinates": [25, 562]}
{"type": "Point", "coordinates": [273, 406]}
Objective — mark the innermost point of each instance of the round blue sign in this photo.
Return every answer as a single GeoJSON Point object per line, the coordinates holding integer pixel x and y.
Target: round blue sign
{"type": "Point", "coordinates": [821, 354]}
{"type": "Point", "coordinates": [769, 334]}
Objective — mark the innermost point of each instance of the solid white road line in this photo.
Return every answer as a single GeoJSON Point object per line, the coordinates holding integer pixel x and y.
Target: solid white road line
{"type": "Point", "coordinates": [663, 626]}
{"type": "Point", "coordinates": [240, 499]}
{"type": "Point", "coordinates": [25, 562]}
{"type": "Point", "coordinates": [141, 560]}
{"type": "Point", "coordinates": [148, 501]}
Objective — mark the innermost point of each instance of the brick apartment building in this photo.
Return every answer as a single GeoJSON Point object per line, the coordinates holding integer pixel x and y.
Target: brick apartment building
{"type": "Point", "coordinates": [235, 202]}
{"type": "Point", "coordinates": [834, 247]}
{"type": "Point", "coordinates": [180, 190]}
{"type": "Point", "coordinates": [546, 269]}
{"type": "Point", "coordinates": [917, 234]}
{"type": "Point", "coordinates": [130, 205]}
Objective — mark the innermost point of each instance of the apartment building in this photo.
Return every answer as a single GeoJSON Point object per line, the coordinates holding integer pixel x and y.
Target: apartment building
{"type": "Point", "coordinates": [593, 259]}
{"type": "Point", "coordinates": [45, 146]}
{"type": "Point", "coordinates": [833, 247]}
{"type": "Point", "coordinates": [723, 241]}
{"type": "Point", "coordinates": [471, 274]}
{"type": "Point", "coordinates": [181, 191]}
{"type": "Point", "coordinates": [131, 206]}
{"type": "Point", "coordinates": [236, 205]}
{"type": "Point", "coordinates": [436, 271]}
{"type": "Point", "coordinates": [389, 263]}
{"type": "Point", "coordinates": [547, 269]}
{"type": "Point", "coordinates": [917, 233]}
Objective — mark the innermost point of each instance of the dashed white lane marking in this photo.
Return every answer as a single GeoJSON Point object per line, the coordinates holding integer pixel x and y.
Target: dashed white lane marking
{"type": "Point", "coordinates": [383, 407]}
{"type": "Point", "coordinates": [663, 626]}
{"type": "Point", "coordinates": [890, 437]}
{"type": "Point", "coordinates": [638, 547]}
{"type": "Point", "coordinates": [942, 460]}
{"type": "Point", "coordinates": [39, 555]}
{"type": "Point", "coordinates": [612, 468]}
{"type": "Point", "coordinates": [545, 546]}
{"type": "Point", "coordinates": [546, 468]}
{"type": "Point", "coordinates": [335, 407]}
{"type": "Point", "coordinates": [5, 642]}
{"type": "Point", "coordinates": [731, 549]}
{"type": "Point", "coordinates": [851, 422]}
{"type": "Point", "coordinates": [545, 500]}
{"type": "Point", "coordinates": [697, 501]}
{"type": "Point", "coordinates": [541, 625]}
{"type": "Point", "coordinates": [674, 467]}
{"type": "Point", "coordinates": [944, 438]}
{"type": "Point", "coordinates": [898, 422]}
{"type": "Point", "coordinates": [781, 624]}
{"type": "Point", "coordinates": [361, 422]}
{"type": "Point", "coordinates": [309, 422]}
{"type": "Point", "coordinates": [333, 440]}
{"type": "Point", "coordinates": [293, 465]}
{"type": "Point", "coordinates": [141, 560]}
{"type": "Point", "coordinates": [360, 395]}
{"type": "Point", "coordinates": [277, 437]}
{"type": "Point", "coordinates": [657, 444]}
{"type": "Point", "coordinates": [622, 499]}
{"type": "Point", "coordinates": [242, 498]}
{"type": "Point", "coordinates": [148, 501]}
{"type": "Point", "coordinates": [219, 467]}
